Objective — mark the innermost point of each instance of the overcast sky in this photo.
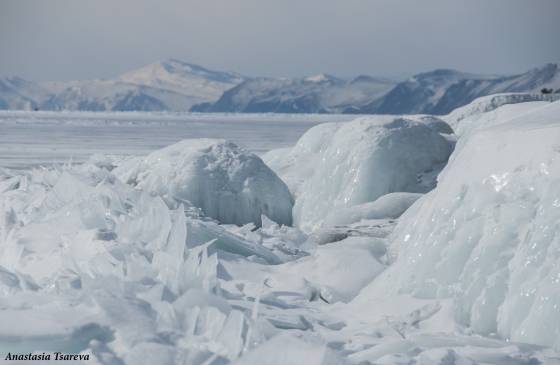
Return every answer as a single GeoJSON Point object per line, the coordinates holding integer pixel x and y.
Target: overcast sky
{"type": "Point", "coordinates": [74, 39]}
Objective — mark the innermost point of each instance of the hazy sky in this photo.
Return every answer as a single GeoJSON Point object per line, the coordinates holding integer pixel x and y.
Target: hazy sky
{"type": "Point", "coordinates": [75, 39]}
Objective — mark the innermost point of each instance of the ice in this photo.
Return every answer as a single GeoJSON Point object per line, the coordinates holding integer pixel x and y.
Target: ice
{"type": "Point", "coordinates": [286, 243]}
{"type": "Point", "coordinates": [95, 265]}
{"type": "Point", "coordinates": [487, 238]}
{"type": "Point", "coordinates": [463, 118]}
{"type": "Point", "coordinates": [338, 166]}
{"type": "Point", "coordinates": [390, 205]}
{"type": "Point", "coordinates": [294, 351]}
{"type": "Point", "coordinates": [201, 231]}
{"type": "Point", "coordinates": [105, 263]}
{"type": "Point", "coordinates": [43, 138]}
{"type": "Point", "coordinates": [331, 273]}
{"type": "Point", "coordinates": [297, 164]}
{"type": "Point", "coordinates": [225, 181]}
{"type": "Point", "coordinates": [341, 269]}
{"type": "Point", "coordinates": [496, 116]}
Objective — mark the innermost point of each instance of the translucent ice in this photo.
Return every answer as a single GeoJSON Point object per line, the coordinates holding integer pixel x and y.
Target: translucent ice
{"type": "Point", "coordinates": [487, 236]}
{"type": "Point", "coordinates": [228, 183]}
{"type": "Point", "coordinates": [337, 166]}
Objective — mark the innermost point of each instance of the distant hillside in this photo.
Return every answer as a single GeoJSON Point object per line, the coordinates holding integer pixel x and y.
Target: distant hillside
{"type": "Point", "coordinates": [441, 91]}
{"type": "Point", "coordinates": [175, 85]}
{"type": "Point", "coordinates": [315, 94]}
{"type": "Point", "coordinates": [168, 85]}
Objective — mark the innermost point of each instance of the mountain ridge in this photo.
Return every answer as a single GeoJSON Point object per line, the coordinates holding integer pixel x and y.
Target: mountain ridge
{"type": "Point", "coordinates": [441, 91]}
{"type": "Point", "coordinates": [170, 84]}
{"type": "Point", "coordinates": [175, 85]}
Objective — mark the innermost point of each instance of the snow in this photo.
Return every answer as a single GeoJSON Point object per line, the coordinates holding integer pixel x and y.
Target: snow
{"type": "Point", "coordinates": [468, 274]}
{"type": "Point", "coordinates": [17, 93]}
{"type": "Point", "coordinates": [198, 83]}
{"type": "Point", "coordinates": [226, 182]}
{"type": "Point", "coordinates": [318, 78]}
{"type": "Point", "coordinates": [314, 94]}
{"type": "Point", "coordinates": [170, 85]}
{"type": "Point", "coordinates": [478, 112]}
{"type": "Point", "coordinates": [442, 91]}
{"type": "Point", "coordinates": [174, 85]}
{"type": "Point", "coordinates": [487, 238]}
{"type": "Point", "coordinates": [337, 166]}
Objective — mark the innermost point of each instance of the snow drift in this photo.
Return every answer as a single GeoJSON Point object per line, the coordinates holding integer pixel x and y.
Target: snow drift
{"type": "Point", "coordinates": [335, 166]}
{"type": "Point", "coordinates": [226, 182]}
{"type": "Point", "coordinates": [487, 236]}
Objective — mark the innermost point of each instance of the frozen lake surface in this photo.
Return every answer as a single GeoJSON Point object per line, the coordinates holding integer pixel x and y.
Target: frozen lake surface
{"type": "Point", "coordinates": [43, 138]}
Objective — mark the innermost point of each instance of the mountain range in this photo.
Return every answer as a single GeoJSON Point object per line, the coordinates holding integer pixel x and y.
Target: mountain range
{"type": "Point", "coordinates": [170, 85]}
{"type": "Point", "coordinates": [441, 91]}
{"type": "Point", "coordinates": [174, 85]}
{"type": "Point", "coordinates": [315, 94]}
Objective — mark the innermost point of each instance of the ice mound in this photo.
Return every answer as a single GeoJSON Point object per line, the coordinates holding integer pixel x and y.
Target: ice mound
{"type": "Point", "coordinates": [347, 164]}
{"type": "Point", "coordinates": [461, 118]}
{"type": "Point", "coordinates": [297, 164]}
{"type": "Point", "coordinates": [226, 182]}
{"type": "Point", "coordinates": [487, 236]}
{"type": "Point", "coordinates": [497, 116]}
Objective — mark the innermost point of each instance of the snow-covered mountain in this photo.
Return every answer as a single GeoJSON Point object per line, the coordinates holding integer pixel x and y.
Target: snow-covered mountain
{"type": "Point", "coordinates": [17, 93]}
{"type": "Point", "coordinates": [174, 85]}
{"type": "Point", "coordinates": [441, 91]}
{"type": "Point", "coordinates": [314, 94]}
{"type": "Point", "coordinates": [184, 78]}
{"type": "Point", "coordinates": [167, 85]}
{"type": "Point", "coordinates": [436, 92]}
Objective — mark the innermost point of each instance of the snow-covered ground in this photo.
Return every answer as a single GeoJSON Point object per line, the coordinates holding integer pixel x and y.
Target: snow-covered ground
{"type": "Point", "coordinates": [135, 260]}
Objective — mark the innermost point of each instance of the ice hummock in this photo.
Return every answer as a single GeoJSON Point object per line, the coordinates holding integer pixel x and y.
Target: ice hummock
{"type": "Point", "coordinates": [337, 166]}
{"type": "Point", "coordinates": [226, 182]}
{"type": "Point", "coordinates": [486, 237]}
{"type": "Point", "coordinates": [478, 111]}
